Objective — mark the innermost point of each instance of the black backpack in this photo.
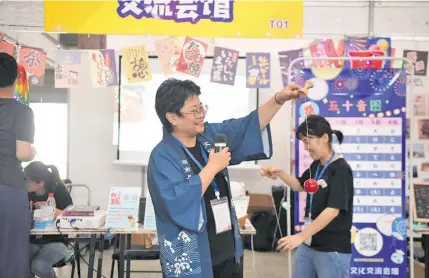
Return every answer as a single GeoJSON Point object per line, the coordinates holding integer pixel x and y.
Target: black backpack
{"type": "Point", "coordinates": [265, 224]}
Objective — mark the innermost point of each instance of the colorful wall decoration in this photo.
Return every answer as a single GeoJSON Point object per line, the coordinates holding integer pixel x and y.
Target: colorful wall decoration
{"type": "Point", "coordinates": [368, 106]}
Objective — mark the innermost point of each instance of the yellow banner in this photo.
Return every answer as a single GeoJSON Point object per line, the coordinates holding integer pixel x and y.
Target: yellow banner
{"type": "Point", "coordinates": [198, 18]}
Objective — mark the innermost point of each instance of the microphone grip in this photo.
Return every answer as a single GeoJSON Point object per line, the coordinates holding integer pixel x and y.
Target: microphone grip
{"type": "Point", "coordinates": [219, 147]}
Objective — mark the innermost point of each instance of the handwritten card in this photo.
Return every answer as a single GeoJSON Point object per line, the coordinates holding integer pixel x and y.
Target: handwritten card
{"type": "Point", "coordinates": [258, 70]}
{"type": "Point", "coordinates": [123, 208]}
{"type": "Point", "coordinates": [192, 57]}
{"type": "Point", "coordinates": [103, 68]}
{"type": "Point", "coordinates": [169, 50]}
{"type": "Point", "coordinates": [34, 62]}
{"type": "Point", "coordinates": [68, 69]}
{"type": "Point", "coordinates": [136, 63]}
{"type": "Point", "coordinates": [224, 66]}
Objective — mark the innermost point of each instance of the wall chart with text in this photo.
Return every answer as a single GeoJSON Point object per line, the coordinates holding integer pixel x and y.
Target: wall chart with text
{"type": "Point", "coordinates": [368, 107]}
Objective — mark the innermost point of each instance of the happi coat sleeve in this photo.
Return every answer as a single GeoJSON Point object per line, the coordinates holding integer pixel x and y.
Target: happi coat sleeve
{"type": "Point", "coordinates": [180, 212]}
{"type": "Point", "coordinates": [245, 139]}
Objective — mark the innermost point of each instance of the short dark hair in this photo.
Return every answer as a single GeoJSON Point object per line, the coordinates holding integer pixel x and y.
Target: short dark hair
{"type": "Point", "coordinates": [8, 70]}
{"type": "Point", "coordinates": [317, 126]}
{"type": "Point", "coordinates": [171, 97]}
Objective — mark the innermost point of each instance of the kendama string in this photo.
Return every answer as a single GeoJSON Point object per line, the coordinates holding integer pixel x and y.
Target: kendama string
{"type": "Point", "coordinates": [308, 85]}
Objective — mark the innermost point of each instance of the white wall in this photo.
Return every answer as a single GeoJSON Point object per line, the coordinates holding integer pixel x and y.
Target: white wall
{"type": "Point", "coordinates": [91, 111]}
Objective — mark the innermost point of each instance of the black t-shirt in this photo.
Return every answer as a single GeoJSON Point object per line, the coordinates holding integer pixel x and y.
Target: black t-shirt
{"type": "Point", "coordinates": [338, 193]}
{"type": "Point", "coordinates": [62, 200]}
{"type": "Point", "coordinates": [16, 124]}
{"type": "Point", "coordinates": [222, 246]}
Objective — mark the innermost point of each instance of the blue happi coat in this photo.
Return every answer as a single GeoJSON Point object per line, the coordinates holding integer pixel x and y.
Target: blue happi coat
{"type": "Point", "coordinates": [177, 194]}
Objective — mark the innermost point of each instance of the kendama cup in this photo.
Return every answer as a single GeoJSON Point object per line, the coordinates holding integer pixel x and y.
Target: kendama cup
{"type": "Point", "coordinates": [307, 86]}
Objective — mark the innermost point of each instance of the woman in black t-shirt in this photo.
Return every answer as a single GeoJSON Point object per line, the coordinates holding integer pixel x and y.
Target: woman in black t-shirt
{"type": "Point", "coordinates": [47, 250]}
{"type": "Point", "coordinates": [324, 242]}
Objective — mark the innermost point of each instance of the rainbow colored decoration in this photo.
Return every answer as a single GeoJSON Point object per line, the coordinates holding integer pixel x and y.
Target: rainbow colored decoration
{"type": "Point", "coordinates": [22, 89]}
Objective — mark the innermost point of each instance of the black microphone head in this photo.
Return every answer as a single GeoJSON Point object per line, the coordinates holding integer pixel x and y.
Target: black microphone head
{"type": "Point", "coordinates": [220, 139]}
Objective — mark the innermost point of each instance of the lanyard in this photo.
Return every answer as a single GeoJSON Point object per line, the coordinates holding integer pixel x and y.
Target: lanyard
{"type": "Point", "coordinates": [318, 176]}
{"type": "Point", "coordinates": [203, 153]}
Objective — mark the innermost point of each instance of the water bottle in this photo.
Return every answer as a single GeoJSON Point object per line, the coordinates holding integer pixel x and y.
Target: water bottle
{"type": "Point", "coordinates": [51, 204]}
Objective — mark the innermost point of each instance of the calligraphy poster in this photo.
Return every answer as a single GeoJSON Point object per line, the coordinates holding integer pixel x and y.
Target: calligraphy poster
{"type": "Point", "coordinates": [224, 66]}
{"type": "Point", "coordinates": [324, 49]}
{"type": "Point", "coordinates": [103, 68]}
{"type": "Point", "coordinates": [34, 62]}
{"type": "Point", "coordinates": [192, 57]}
{"type": "Point", "coordinates": [368, 107]}
{"type": "Point", "coordinates": [419, 60]}
{"type": "Point", "coordinates": [285, 59]}
{"type": "Point", "coordinates": [6, 47]}
{"type": "Point", "coordinates": [68, 69]}
{"type": "Point", "coordinates": [136, 63]}
{"type": "Point", "coordinates": [169, 50]}
{"type": "Point", "coordinates": [258, 70]}
{"type": "Point", "coordinates": [123, 208]}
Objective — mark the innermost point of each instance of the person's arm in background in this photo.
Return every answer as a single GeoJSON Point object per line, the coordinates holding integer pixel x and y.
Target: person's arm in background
{"type": "Point", "coordinates": [24, 132]}
{"type": "Point", "coordinates": [62, 199]}
{"type": "Point", "coordinates": [270, 108]}
{"type": "Point", "coordinates": [295, 183]}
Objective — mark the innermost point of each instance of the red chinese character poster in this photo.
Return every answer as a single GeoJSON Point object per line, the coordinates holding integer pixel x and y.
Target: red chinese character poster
{"type": "Point", "coordinates": [324, 49]}
{"type": "Point", "coordinates": [6, 47]}
{"type": "Point", "coordinates": [192, 57]}
{"type": "Point", "coordinates": [34, 62]}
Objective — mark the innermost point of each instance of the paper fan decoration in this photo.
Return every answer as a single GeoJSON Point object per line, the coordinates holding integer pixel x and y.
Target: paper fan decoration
{"type": "Point", "coordinates": [22, 89]}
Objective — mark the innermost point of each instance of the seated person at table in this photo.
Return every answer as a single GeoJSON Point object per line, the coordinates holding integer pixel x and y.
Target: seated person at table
{"type": "Point", "coordinates": [47, 250]}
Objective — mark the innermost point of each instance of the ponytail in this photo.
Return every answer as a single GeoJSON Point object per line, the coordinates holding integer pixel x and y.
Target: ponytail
{"type": "Point", "coordinates": [339, 135]}
{"type": "Point", "coordinates": [55, 174]}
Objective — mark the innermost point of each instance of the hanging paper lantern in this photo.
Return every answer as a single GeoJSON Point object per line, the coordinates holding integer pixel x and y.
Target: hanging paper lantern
{"type": "Point", "coordinates": [22, 89]}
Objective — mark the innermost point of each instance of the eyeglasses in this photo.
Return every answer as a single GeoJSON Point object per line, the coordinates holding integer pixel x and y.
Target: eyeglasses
{"type": "Point", "coordinates": [200, 111]}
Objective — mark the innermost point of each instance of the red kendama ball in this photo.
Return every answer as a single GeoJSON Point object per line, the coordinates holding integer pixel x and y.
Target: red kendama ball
{"type": "Point", "coordinates": [311, 186]}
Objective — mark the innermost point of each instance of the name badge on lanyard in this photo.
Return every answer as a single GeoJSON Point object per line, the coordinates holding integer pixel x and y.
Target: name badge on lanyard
{"type": "Point", "coordinates": [220, 206]}
{"type": "Point", "coordinates": [308, 220]}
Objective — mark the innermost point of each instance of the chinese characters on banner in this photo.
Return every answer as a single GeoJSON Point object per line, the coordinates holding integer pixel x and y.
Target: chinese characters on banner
{"type": "Point", "coordinates": [324, 49]}
{"type": "Point", "coordinates": [224, 66]}
{"type": "Point", "coordinates": [192, 57]}
{"type": "Point", "coordinates": [34, 62]}
{"type": "Point", "coordinates": [6, 47]}
{"type": "Point", "coordinates": [68, 69]}
{"type": "Point", "coordinates": [123, 207]}
{"type": "Point", "coordinates": [258, 70]}
{"type": "Point", "coordinates": [103, 68]}
{"type": "Point", "coordinates": [285, 59]}
{"type": "Point", "coordinates": [368, 106]}
{"type": "Point", "coordinates": [136, 62]}
{"type": "Point", "coordinates": [419, 60]}
{"type": "Point", "coordinates": [168, 51]}
{"type": "Point", "coordinates": [178, 11]}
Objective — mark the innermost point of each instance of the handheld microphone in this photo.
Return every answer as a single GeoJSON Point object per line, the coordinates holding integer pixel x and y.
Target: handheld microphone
{"type": "Point", "coordinates": [220, 142]}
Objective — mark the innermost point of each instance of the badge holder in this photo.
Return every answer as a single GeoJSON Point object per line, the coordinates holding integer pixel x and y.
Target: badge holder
{"type": "Point", "coordinates": [221, 213]}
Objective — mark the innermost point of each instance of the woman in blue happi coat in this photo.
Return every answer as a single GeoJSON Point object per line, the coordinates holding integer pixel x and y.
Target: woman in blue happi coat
{"type": "Point", "coordinates": [198, 232]}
